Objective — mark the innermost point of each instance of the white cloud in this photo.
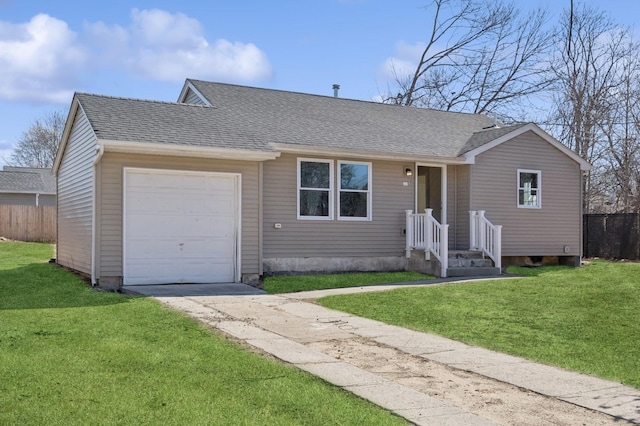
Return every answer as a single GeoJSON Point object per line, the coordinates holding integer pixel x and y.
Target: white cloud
{"type": "Point", "coordinates": [38, 59]}
{"type": "Point", "coordinates": [404, 60]}
{"type": "Point", "coordinates": [5, 153]}
{"type": "Point", "coordinates": [43, 60]}
{"type": "Point", "coordinates": [170, 47]}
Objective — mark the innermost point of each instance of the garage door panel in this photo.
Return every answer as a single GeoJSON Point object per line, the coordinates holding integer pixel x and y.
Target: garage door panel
{"type": "Point", "coordinates": [180, 228]}
{"type": "Point", "coordinates": [157, 225]}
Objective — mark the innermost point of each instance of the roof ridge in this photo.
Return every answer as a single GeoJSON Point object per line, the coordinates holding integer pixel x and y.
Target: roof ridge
{"type": "Point", "coordinates": [332, 97]}
{"type": "Point", "coordinates": [495, 127]}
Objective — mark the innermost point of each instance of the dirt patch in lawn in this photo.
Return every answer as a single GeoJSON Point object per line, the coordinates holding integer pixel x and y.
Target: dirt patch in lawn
{"type": "Point", "coordinates": [498, 401]}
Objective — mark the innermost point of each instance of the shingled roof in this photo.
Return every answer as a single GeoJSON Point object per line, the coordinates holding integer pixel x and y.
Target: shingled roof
{"type": "Point", "coordinates": [249, 118]}
{"type": "Point", "coordinates": [27, 180]}
{"type": "Point", "coordinates": [291, 118]}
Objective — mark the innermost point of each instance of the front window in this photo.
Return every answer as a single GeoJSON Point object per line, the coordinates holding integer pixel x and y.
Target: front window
{"type": "Point", "coordinates": [315, 194]}
{"type": "Point", "coordinates": [529, 189]}
{"type": "Point", "coordinates": [354, 201]}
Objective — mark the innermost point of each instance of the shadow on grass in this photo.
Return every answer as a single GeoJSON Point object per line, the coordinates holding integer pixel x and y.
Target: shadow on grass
{"type": "Point", "coordinates": [43, 285]}
{"type": "Point", "coordinates": [535, 271]}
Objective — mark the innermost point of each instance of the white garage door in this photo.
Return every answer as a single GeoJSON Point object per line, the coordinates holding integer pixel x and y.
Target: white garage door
{"type": "Point", "coordinates": [179, 227]}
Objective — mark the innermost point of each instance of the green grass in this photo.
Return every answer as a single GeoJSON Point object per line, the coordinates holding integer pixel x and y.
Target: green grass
{"type": "Point", "coordinates": [70, 355]}
{"type": "Point", "coordinates": [585, 319]}
{"type": "Point", "coordinates": [296, 283]}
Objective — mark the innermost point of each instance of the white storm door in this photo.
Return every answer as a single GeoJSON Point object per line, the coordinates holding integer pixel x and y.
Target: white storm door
{"type": "Point", "coordinates": [179, 227]}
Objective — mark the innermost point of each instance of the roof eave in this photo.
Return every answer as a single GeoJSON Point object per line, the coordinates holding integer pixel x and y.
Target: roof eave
{"type": "Point", "coordinates": [470, 156]}
{"type": "Point", "coordinates": [73, 109]}
{"type": "Point", "coordinates": [371, 155]}
{"type": "Point", "coordinates": [132, 147]}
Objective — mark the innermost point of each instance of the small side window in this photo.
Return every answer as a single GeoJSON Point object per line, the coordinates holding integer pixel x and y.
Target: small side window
{"type": "Point", "coordinates": [529, 189]}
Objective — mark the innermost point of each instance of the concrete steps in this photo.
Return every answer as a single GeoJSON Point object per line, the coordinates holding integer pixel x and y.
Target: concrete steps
{"type": "Point", "coordinates": [469, 263]}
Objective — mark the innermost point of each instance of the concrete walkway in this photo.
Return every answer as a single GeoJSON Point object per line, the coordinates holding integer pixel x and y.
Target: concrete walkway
{"type": "Point", "coordinates": [295, 331]}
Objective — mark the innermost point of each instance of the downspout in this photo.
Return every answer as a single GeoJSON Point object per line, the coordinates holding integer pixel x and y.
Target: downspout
{"type": "Point", "coordinates": [100, 152]}
{"type": "Point", "coordinates": [37, 200]}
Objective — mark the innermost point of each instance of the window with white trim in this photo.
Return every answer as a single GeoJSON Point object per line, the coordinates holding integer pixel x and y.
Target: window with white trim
{"type": "Point", "coordinates": [354, 190]}
{"type": "Point", "coordinates": [315, 189]}
{"type": "Point", "coordinates": [529, 182]}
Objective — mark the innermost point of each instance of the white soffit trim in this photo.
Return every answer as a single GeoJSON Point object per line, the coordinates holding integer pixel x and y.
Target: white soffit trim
{"type": "Point", "coordinates": [183, 93]}
{"type": "Point", "coordinates": [185, 151]}
{"type": "Point", "coordinates": [66, 133]}
{"type": "Point", "coordinates": [368, 155]}
{"type": "Point", "coordinates": [471, 155]}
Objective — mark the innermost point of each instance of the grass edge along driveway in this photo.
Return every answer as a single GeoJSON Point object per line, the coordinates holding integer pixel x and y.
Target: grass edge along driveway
{"type": "Point", "coordinates": [71, 355]}
{"type": "Point", "coordinates": [584, 319]}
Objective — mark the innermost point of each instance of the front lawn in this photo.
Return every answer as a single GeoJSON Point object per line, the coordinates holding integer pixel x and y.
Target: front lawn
{"type": "Point", "coordinates": [296, 283]}
{"type": "Point", "coordinates": [70, 355]}
{"type": "Point", "coordinates": [585, 319]}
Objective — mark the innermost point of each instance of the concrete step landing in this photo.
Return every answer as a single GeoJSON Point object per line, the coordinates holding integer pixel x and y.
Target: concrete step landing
{"type": "Point", "coordinates": [470, 263]}
{"type": "Point", "coordinates": [473, 271]}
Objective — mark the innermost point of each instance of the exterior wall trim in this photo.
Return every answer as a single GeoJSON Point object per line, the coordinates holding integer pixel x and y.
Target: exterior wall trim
{"type": "Point", "coordinates": [365, 155]}
{"type": "Point", "coordinates": [132, 147]}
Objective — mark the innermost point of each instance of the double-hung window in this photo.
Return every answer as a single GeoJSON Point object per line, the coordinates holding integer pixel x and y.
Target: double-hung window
{"type": "Point", "coordinates": [317, 192]}
{"type": "Point", "coordinates": [354, 190]}
{"type": "Point", "coordinates": [529, 189]}
{"type": "Point", "coordinates": [315, 189]}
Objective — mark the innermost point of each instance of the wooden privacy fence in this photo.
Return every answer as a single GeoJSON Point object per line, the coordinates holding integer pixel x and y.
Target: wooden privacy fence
{"type": "Point", "coordinates": [612, 236]}
{"type": "Point", "coordinates": [28, 223]}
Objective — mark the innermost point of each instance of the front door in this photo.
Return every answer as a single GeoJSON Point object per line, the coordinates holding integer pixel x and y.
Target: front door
{"type": "Point", "coordinates": [430, 190]}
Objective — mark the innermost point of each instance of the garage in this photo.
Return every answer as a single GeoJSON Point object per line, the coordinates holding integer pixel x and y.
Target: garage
{"type": "Point", "coordinates": [180, 227]}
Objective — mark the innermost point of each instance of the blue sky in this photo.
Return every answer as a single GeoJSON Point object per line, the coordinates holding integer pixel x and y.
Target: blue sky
{"type": "Point", "coordinates": [146, 49]}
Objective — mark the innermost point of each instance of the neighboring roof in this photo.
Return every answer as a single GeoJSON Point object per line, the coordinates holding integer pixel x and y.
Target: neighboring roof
{"type": "Point", "coordinates": [27, 180]}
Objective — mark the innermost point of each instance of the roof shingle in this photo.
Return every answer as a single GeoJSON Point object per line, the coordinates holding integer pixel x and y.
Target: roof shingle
{"type": "Point", "coordinates": [250, 118]}
{"type": "Point", "coordinates": [27, 180]}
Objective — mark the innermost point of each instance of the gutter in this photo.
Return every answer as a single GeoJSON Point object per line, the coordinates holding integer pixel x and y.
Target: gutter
{"type": "Point", "coordinates": [94, 221]}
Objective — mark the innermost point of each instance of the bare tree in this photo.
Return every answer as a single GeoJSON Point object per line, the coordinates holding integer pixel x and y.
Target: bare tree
{"type": "Point", "coordinates": [479, 57]}
{"type": "Point", "coordinates": [38, 145]}
{"type": "Point", "coordinates": [621, 131]}
{"type": "Point", "coordinates": [590, 77]}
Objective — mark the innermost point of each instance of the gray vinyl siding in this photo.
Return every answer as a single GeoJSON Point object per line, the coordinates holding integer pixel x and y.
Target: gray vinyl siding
{"type": "Point", "coordinates": [530, 232]}
{"type": "Point", "coordinates": [382, 236]}
{"type": "Point", "coordinates": [75, 197]}
{"type": "Point", "coordinates": [458, 199]}
{"type": "Point", "coordinates": [110, 201]}
{"type": "Point", "coordinates": [193, 98]}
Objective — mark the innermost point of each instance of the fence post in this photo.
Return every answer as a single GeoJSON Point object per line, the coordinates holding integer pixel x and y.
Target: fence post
{"type": "Point", "coordinates": [472, 229]}
{"type": "Point", "coordinates": [498, 246]}
{"type": "Point", "coordinates": [444, 252]}
{"type": "Point", "coordinates": [428, 237]}
{"type": "Point", "coordinates": [408, 233]}
{"type": "Point", "coordinates": [482, 231]}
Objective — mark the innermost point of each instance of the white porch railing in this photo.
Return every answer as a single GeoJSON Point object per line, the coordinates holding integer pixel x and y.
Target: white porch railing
{"type": "Point", "coordinates": [485, 236]}
{"type": "Point", "coordinates": [424, 232]}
